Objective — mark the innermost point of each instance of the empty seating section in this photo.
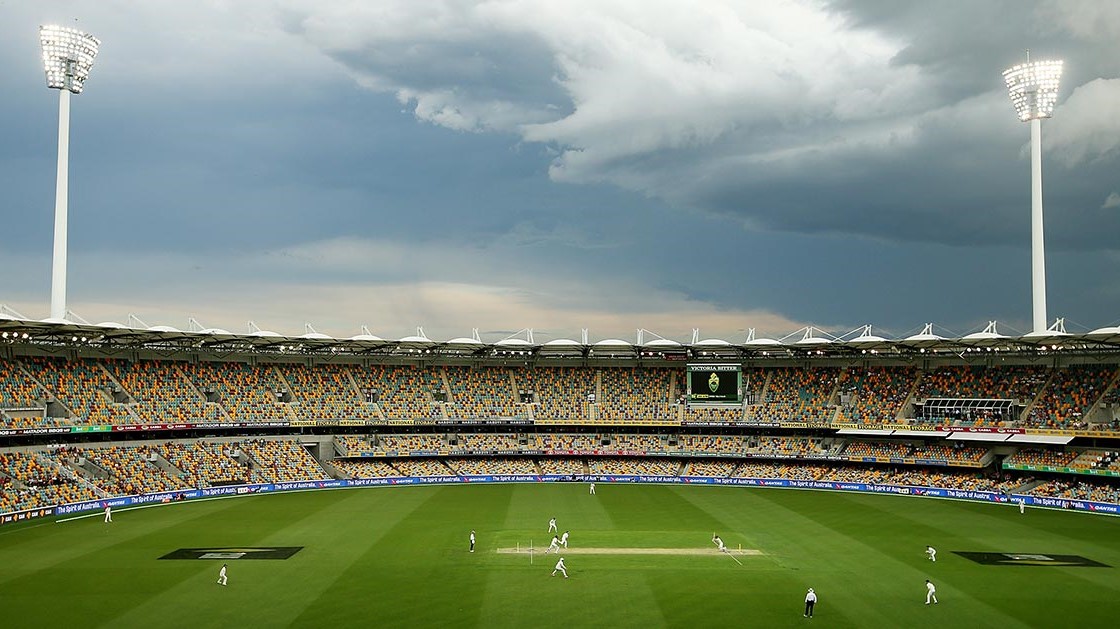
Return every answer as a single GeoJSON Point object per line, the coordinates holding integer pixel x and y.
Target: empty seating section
{"type": "Point", "coordinates": [715, 414]}
{"type": "Point", "coordinates": [487, 443]}
{"type": "Point", "coordinates": [403, 445]}
{"type": "Point", "coordinates": [797, 395]}
{"type": "Point", "coordinates": [636, 394]}
{"type": "Point", "coordinates": [1019, 384]}
{"type": "Point", "coordinates": [160, 393]}
{"type": "Point", "coordinates": [350, 445]}
{"type": "Point", "coordinates": [956, 453]}
{"type": "Point", "coordinates": [715, 444]}
{"type": "Point", "coordinates": [554, 465]}
{"type": "Point", "coordinates": [1042, 458]}
{"type": "Point", "coordinates": [493, 465]}
{"type": "Point", "coordinates": [714, 469]}
{"type": "Point", "coordinates": [650, 467]}
{"type": "Point", "coordinates": [325, 392]}
{"type": "Point", "coordinates": [83, 386]}
{"type": "Point", "coordinates": [1072, 391]}
{"type": "Point", "coordinates": [365, 468]}
{"type": "Point", "coordinates": [282, 460]}
{"type": "Point", "coordinates": [574, 443]}
{"type": "Point", "coordinates": [786, 446]}
{"type": "Point", "coordinates": [204, 464]}
{"type": "Point", "coordinates": [1097, 460]}
{"type": "Point", "coordinates": [874, 395]}
{"type": "Point", "coordinates": [403, 392]}
{"type": "Point", "coordinates": [16, 389]}
{"type": "Point", "coordinates": [638, 443]}
{"type": "Point", "coordinates": [560, 393]}
{"type": "Point", "coordinates": [130, 470]}
{"type": "Point", "coordinates": [32, 481]}
{"type": "Point", "coordinates": [482, 393]}
{"type": "Point", "coordinates": [422, 467]}
{"type": "Point", "coordinates": [248, 393]}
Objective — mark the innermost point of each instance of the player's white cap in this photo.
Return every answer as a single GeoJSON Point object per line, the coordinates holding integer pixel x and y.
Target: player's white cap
{"type": "Point", "coordinates": [810, 589]}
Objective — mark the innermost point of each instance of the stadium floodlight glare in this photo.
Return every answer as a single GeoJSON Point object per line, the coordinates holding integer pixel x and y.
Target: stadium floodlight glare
{"type": "Point", "coordinates": [1033, 87]}
{"type": "Point", "coordinates": [67, 58]}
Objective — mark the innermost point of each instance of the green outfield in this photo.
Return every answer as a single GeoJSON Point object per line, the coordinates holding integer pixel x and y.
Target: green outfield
{"type": "Point", "coordinates": [398, 557]}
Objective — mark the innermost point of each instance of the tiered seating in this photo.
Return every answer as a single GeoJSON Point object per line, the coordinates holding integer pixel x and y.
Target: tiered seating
{"type": "Point", "coordinates": [956, 453]}
{"type": "Point", "coordinates": [580, 443]}
{"type": "Point", "coordinates": [714, 414]}
{"type": "Point", "coordinates": [714, 469]}
{"type": "Point", "coordinates": [493, 465]}
{"type": "Point", "coordinates": [1077, 490]}
{"type": "Point", "coordinates": [487, 443]}
{"type": "Point", "coordinates": [642, 466]}
{"type": "Point", "coordinates": [636, 394]}
{"type": "Point", "coordinates": [1071, 393]}
{"type": "Point", "coordinates": [402, 445]}
{"type": "Point", "coordinates": [797, 395]}
{"type": "Point", "coordinates": [248, 393]}
{"type": "Point", "coordinates": [878, 449]}
{"type": "Point", "coordinates": [876, 393]}
{"type": "Point", "coordinates": [405, 392]}
{"type": "Point", "coordinates": [282, 460]}
{"type": "Point", "coordinates": [422, 467]}
{"type": "Point", "coordinates": [556, 465]}
{"type": "Point", "coordinates": [638, 443]}
{"type": "Point", "coordinates": [350, 445]}
{"type": "Point", "coordinates": [482, 393]}
{"type": "Point", "coordinates": [779, 470]}
{"type": "Point", "coordinates": [561, 392]}
{"type": "Point", "coordinates": [325, 392]}
{"type": "Point", "coordinates": [34, 481]}
{"type": "Point", "coordinates": [130, 471]}
{"type": "Point", "coordinates": [721, 444]}
{"type": "Point", "coordinates": [161, 394]}
{"type": "Point", "coordinates": [16, 389]}
{"type": "Point", "coordinates": [366, 468]}
{"type": "Point", "coordinates": [83, 387]}
{"type": "Point", "coordinates": [204, 464]}
{"type": "Point", "coordinates": [1008, 383]}
{"type": "Point", "coordinates": [1042, 458]}
{"type": "Point", "coordinates": [787, 446]}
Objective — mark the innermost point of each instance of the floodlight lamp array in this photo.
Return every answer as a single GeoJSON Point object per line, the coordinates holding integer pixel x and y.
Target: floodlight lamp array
{"type": "Point", "coordinates": [67, 56]}
{"type": "Point", "coordinates": [1034, 88]}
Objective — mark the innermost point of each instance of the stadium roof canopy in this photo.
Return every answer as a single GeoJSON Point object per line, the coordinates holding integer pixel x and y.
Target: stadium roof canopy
{"type": "Point", "coordinates": [113, 337]}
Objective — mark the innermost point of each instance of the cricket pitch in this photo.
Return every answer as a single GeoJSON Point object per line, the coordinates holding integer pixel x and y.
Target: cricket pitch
{"type": "Point", "coordinates": [635, 551]}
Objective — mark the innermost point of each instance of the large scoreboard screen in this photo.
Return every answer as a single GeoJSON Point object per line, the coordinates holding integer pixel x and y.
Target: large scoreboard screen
{"type": "Point", "coordinates": [715, 384]}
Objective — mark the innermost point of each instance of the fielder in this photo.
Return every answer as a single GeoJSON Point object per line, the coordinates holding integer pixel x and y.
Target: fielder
{"type": "Point", "coordinates": [108, 513]}
{"type": "Point", "coordinates": [472, 540]}
{"type": "Point", "coordinates": [592, 489]}
{"type": "Point", "coordinates": [1022, 506]}
{"type": "Point", "coordinates": [810, 601]}
{"type": "Point", "coordinates": [560, 567]}
{"type": "Point", "coordinates": [931, 552]}
{"type": "Point", "coordinates": [222, 575]}
{"type": "Point", "coordinates": [554, 545]}
{"type": "Point", "coordinates": [552, 525]}
{"type": "Point", "coordinates": [564, 539]}
{"type": "Point", "coordinates": [931, 593]}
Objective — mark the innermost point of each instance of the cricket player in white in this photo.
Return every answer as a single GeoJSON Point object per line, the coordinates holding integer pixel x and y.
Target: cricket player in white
{"type": "Point", "coordinates": [564, 539]}
{"type": "Point", "coordinates": [554, 545]}
{"type": "Point", "coordinates": [810, 602]}
{"type": "Point", "coordinates": [472, 541]}
{"type": "Point", "coordinates": [931, 552]}
{"type": "Point", "coordinates": [222, 575]}
{"type": "Point", "coordinates": [552, 525]}
{"type": "Point", "coordinates": [560, 567]}
{"type": "Point", "coordinates": [931, 592]}
{"type": "Point", "coordinates": [1022, 506]}
{"type": "Point", "coordinates": [592, 489]}
{"type": "Point", "coordinates": [108, 513]}
{"type": "Point", "coordinates": [719, 543]}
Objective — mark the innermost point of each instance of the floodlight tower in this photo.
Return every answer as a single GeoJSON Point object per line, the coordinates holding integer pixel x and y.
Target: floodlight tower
{"type": "Point", "coordinates": [67, 58]}
{"type": "Point", "coordinates": [1034, 91]}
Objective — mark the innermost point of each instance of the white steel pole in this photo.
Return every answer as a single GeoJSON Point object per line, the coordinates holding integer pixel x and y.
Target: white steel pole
{"type": "Point", "coordinates": [58, 270]}
{"type": "Point", "coordinates": [1038, 247]}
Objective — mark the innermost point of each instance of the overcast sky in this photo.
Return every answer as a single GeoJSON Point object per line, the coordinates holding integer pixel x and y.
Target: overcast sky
{"type": "Point", "coordinates": [563, 164]}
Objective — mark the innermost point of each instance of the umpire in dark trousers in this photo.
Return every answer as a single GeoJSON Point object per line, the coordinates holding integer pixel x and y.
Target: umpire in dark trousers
{"type": "Point", "coordinates": [810, 602]}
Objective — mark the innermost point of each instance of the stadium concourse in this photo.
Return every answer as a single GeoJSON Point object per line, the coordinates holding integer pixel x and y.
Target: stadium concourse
{"type": "Point", "coordinates": [85, 419]}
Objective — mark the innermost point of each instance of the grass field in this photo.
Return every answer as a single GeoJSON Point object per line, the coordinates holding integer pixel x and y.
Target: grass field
{"type": "Point", "coordinates": [398, 557]}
